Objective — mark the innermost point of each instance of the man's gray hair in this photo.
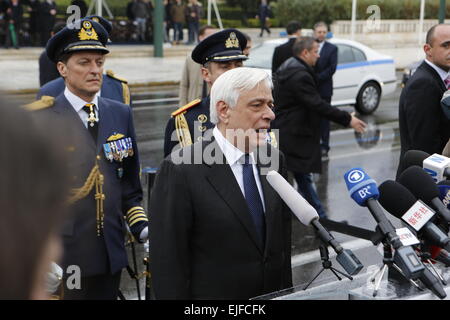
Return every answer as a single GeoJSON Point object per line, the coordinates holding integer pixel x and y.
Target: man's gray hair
{"type": "Point", "coordinates": [229, 85]}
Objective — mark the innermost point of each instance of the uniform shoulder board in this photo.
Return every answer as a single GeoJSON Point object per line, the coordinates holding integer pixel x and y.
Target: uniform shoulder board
{"type": "Point", "coordinates": [43, 103]}
{"type": "Point", "coordinates": [191, 104]}
{"type": "Point", "coordinates": [111, 74]}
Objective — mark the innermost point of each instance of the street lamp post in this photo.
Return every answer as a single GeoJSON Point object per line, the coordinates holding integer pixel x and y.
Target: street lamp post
{"type": "Point", "coordinates": [158, 32]}
{"type": "Point", "coordinates": [442, 8]}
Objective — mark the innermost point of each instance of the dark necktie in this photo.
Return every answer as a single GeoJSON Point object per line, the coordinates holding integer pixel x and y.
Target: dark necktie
{"type": "Point", "coordinates": [92, 122]}
{"type": "Point", "coordinates": [253, 198]}
{"type": "Point", "coordinates": [447, 82]}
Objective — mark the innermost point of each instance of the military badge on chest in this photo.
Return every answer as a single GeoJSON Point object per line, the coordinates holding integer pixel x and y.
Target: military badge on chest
{"type": "Point", "coordinates": [117, 148]}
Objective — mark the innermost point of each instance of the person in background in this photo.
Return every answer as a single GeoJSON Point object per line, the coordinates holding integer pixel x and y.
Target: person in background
{"type": "Point", "coordinates": [193, 13]}
{"type": "Point", "coordinates": [48, 19]}
{"type": "Point", "coordinates": [192, 85]}
{"type": "Point", "coordinates": [13, 19]}
{"type": "Point", "coordinates": [284, 51]}
{"type": "Point", "coordinates": [263, 16]}
{"type": "Point", "coordinates": [47, 68]}
{"type": "Point", "coordinates": [168, 21]}
{"type": "Point", "coordinates": [177, 12]}
{"type": "Point", "coordinates": [82, 5]}
{"type": "Point", "coordinates": [299, 109]}
{"type": "Point", "coordinates": [423, 125]}
{"type": "Point", "coordinates": [33, 194]}
{"type": "Point", "coordinates": [141, 13]}
{"type": "Point", "coordinates": [34, 9]}
{"type": "Point", "coordinates": [325, 69]}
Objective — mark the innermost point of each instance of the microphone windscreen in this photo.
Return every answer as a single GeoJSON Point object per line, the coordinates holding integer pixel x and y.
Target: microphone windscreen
{"type": "Point", "coordinates": [419, 183]}
{"type": "Point", "coordinates": [298, 205]}
{"type": "Point", "coordinates": [444, 183]}
{"type": "Point", "coordinates": [395, 198]}
{"type": "Point", "coordinates": [414, 158]}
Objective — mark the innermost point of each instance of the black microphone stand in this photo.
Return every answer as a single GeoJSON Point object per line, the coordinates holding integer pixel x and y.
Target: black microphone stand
{"type": "Point", "coordinates": [388, 264]}
{"type": "Point", "coordinates": [326, 264]}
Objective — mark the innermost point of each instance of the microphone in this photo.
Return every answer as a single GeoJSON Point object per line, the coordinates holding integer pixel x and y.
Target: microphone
{"type": "Point", "coordinates": [308, 216]}
{"type": "Point", "coordinates": [402, 204]}
{"type": "Point", "coordinates": [445, 104]}
{"type": "Point", "coordinates": [444, 192]}
{"type": "Point", "coordinates": [436, 165]}
{"type": "Point", "coordinates": [423, 187]}
{"type": "Point", "coordinates": [364, 191]}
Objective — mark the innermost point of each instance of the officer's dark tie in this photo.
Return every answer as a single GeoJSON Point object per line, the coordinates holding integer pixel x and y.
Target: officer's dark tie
{"type": "Point", "coordinates": [92, 122]}
{"type": "Point", "coordinates": [253, 198]}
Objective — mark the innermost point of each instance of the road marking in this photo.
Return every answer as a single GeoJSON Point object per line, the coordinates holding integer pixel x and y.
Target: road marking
{"type": "Point", "coordinates": [314, 255]}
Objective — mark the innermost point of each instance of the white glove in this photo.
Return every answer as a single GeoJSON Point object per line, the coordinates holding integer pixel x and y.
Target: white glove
{"type": "Point", "coordinates": [54, 278]}
{"type": "Point", "coordinates": [144, 235]}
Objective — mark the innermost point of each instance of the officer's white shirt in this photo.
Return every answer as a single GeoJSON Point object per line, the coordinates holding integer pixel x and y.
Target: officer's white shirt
{"type": "Point", "coordinates": [233, 156]}
{"type": "Point", "coordinates": [78, 104]}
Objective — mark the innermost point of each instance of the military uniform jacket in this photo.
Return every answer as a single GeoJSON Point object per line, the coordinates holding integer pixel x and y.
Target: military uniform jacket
{"type": "Point", "coordinates": [203, 241]}
{"type": "Point", "coordinates": [112, 88]}
{"type": "Point", "coordinates": [197, 121]}
{"type": "Point", "coordinates": [122, 188]}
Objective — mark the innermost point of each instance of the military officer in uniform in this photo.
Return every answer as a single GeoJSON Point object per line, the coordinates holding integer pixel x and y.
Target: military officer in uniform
{"type": "Point", "coordinates": [107, 190]}
{"type": "Point", "coordinates": [217, 53]}
{"type": "Point", "coordinates": [113, 87]}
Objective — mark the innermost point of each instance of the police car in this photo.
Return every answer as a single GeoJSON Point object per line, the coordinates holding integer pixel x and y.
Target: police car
{"type": "Point", "coordinates": [362, 75]}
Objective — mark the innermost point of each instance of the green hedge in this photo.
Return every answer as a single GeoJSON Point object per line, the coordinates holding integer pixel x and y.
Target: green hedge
{"type": "Point", "coordinates": [311, 11]}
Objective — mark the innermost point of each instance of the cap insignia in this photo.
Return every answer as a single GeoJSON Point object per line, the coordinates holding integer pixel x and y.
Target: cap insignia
{"type": "Point", "coordinates": [232, 41]}
{"type": "Point", "coordinates": [87, 32]}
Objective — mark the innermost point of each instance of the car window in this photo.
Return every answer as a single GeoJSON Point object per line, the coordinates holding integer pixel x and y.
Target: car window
{"type": "Point", "coordinates": [359, 55]}
{"type": "Point", "coordinates": [261, 56]}
{"type": "Point", "coordinates": [345, 54]}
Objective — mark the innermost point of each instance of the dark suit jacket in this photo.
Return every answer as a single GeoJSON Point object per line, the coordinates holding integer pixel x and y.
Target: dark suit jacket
{"type": "Point", "coordinates": [423, 125]}
{"type": "Point", "coordinates": [282, 53]}
{"type": "Point", "coordinates": [111, 89]}
{"type": "Point", "coordinates": [325, 68]}
{"type": "Point", "coordinates": [203, 241]}
{"type": "Point", "coordinates": [82, 247]}
{"type": "Point", "coordinates": [299, 109]}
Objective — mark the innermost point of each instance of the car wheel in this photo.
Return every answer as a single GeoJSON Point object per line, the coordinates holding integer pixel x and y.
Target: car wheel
{"type": "Point", "coordinates": [368, 98]}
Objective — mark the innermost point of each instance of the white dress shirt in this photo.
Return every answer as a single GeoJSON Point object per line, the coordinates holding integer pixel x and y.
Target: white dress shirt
{"type": "Point", "coordinates": [442, 73]}
{"type": "Point", "coordinates": [78, 104]}
{"type": "Point", "coordinates": [234, 156]}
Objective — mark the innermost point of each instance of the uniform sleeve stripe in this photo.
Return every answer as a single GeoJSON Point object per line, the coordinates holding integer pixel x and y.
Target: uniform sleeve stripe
{"type": "Point", "coordinates": [136, 221]}
{"type": "Point", "coordinates": [133, 209]}
{"type": "Point", "coordinates": [140, 217]}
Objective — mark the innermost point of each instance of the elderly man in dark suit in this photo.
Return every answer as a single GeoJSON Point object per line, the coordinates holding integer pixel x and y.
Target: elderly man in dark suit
{"type": "Point", "coordinates": [284, 51]}
{"type": "Point", "coordinates": [299, 109]}
{"type": "Point", "coordinates": [423, 125]}
{"type": "Point", "coordinates": [325, 69]}
{"type": "Point", "coordinates": [218, 229]}
{"type": "Point", "coordinates": [105, 162]}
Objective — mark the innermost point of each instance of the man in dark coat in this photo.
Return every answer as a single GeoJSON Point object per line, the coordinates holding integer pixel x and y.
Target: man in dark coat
{"type": "Point", "coordinates": [423, 125]}
{"type": "Point", "coordinates": [299, 109]}
{"type": "Point", "coordinates": [284, 51]}
{"type": "Point", "coordinates": [325, 69]}
{"type": "Point", "coordinates": [218, 229]}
